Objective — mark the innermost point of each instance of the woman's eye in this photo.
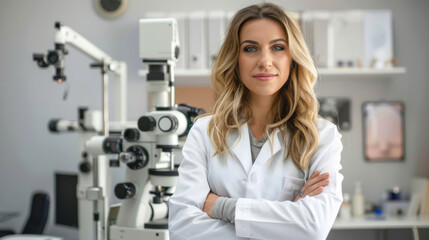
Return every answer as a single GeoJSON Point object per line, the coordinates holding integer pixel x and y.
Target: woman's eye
{"type": "Point", "coordinates": [250, 49]}
{"type": "Point", "coordinates": [278, 48]}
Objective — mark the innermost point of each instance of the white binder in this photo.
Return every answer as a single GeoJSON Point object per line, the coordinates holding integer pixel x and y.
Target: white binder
{"type": "Point", "coordinates": [347, 44]}
{"type": "Point", "coordinates": [197, 40]}
{"type": "Point", "coordinates": [321, 36]}
{"type": "Point", "coordinates": [216, 34]}
{"type": "Point", "coordinates": [317, 31]}
{"type": "Point", "coordinates": [378, 40]}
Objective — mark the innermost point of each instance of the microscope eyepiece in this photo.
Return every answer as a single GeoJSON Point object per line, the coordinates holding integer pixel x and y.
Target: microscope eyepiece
{"type": "Point", "coordinates": [40, 59]}
{"type": "Point", "coordinates": [52, 125]}
{"type": "Point", "coordinates": [146, 123]}
{"type": "Point", "coordinates": [131, 134]}
{"type": "Point", "coordinates": [53, 57]}
{"type": "Point", "coordinates": [191, 113]}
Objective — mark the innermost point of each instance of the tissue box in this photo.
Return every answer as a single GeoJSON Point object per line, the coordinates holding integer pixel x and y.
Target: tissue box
{"type": "Point", "coordinates": [395, 208]}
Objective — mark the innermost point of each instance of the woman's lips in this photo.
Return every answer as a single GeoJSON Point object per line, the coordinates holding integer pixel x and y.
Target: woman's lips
{"type": "Point", "coordinates": [265, 76]}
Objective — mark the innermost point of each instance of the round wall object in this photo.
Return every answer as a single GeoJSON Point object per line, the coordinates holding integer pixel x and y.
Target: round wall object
{"type": "Point", "coordinates": [111, 8]}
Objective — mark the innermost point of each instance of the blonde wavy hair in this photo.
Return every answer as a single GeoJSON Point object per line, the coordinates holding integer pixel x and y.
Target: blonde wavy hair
{"type": "Point", "coordinates": [295, 109]}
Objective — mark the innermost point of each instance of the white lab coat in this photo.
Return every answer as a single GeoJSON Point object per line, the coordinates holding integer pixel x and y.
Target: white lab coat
{"type": "Point", "coordinates": [265, 190]}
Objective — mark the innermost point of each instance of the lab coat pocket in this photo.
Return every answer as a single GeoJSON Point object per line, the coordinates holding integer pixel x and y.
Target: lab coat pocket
{"type": "Point", "coordinates": [291, 188]}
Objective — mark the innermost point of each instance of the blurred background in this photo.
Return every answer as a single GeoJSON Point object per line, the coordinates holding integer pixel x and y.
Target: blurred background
{"type": "Point", "coordinates": [341, 38]}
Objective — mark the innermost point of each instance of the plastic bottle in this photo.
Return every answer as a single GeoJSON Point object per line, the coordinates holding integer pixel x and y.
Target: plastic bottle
{"type": "Point", "coordinates": [346, 209]}
{"type": "Point", "coordinates": [358, 202]}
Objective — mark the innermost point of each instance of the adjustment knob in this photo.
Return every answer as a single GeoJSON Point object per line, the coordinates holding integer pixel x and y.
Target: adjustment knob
{"type": "Point", "coordinates": [176, 52]}
{"type": "Point", "coordinates": [146, 123]}
{"type": "Point", "coordinates": [53, 57]}
{"type": "Point", "coordinates": [131, 134]}
{"type": "Point", "coordinates": [81, 116]}
{"type": "Point", "coordinates": [127, 157]}
{"type": "Point", "coordinates": [112, 145]}
{"type": "Point", "coordinates": [125, 190]}
{"type": "Point", "coordinates": [167, 123]}
{"type": "Point", "coordinates": [85, 167]}
{"type": "Point", "coordinates": [52, 125]}
{"type": "Point", "coordinates": [136, 157]}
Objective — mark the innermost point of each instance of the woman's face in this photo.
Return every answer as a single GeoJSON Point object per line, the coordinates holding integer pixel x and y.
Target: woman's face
{"type": "Point", "coordinates": [264, 60]}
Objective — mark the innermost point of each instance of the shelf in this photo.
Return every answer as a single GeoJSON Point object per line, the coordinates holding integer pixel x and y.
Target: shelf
{"type": "Point", "coordinates": [371, 222]}
{"type": "Point", "coordinates": [201, 76]}
{"type": "Point", "coordinates": [361, 71]}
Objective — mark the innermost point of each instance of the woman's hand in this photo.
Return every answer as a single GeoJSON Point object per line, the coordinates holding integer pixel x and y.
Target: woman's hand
{"type": "Point", "coordinates": [208, 204]}
{"type": "Point", "coordinates": [314, 185]}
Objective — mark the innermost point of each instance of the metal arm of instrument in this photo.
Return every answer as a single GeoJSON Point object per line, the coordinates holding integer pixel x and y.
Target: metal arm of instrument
{"type": "Point", "coordinates": [66, 35]}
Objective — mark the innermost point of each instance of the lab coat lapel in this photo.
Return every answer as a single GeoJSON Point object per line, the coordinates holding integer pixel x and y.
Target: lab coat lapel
{"type": "Point", "coordinates": [241, 147]}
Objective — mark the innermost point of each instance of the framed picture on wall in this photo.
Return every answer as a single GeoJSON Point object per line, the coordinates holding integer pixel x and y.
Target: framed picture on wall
{"type": "Point", "coordinates": [336, 110]}
{"type": "Point", "coordinates": [383, 131]}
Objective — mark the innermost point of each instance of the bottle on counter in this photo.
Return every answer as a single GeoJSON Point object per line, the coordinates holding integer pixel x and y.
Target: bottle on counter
{"type": "Point", "coordinates": [358, 201]}
{"type": "Point", "coordinates": [346, 209]}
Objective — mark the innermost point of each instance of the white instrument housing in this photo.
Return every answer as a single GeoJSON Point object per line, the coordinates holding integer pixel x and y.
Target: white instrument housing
{"type": "Point", "coordinates": [159, 39]}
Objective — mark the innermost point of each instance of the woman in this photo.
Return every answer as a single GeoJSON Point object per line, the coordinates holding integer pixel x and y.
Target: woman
{"type": "Point", "coordinates": [263, 165]}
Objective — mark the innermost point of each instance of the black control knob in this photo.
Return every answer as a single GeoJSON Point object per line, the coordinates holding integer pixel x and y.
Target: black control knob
{"type": "Point", "coordinates": [168, 123]}
{"type": "Point", "coordinates": [146, 123]}
{"type": "Point", "coordinates": [159, 195]}
{"type": "Point", "coordinates": [112, 145]}
{"type": "Point", "coordinates": [53, 57]}
{"type": "Point", "coordinates": [177, 52]}
{"type": "Point", "coordinates": [52, 125]}
{"type": "Point", "coordinates": [125, 190]}
{"type": "Point", "coordinates": [81, 116]}
{"type": "Point", "coordinates": [131, 134]}
{"type": "Point", "coordinates": [85, 167]}
{"type": "Point", "coordinates": [190, 113]}
{"type": "Point", "coordinates": [138, 157]}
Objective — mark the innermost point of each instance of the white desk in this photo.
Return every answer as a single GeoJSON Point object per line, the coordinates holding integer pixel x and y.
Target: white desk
{"type": "Point", "coordinates": [371, 222]}
{"type": "Point", "coordinates": [29, 237]}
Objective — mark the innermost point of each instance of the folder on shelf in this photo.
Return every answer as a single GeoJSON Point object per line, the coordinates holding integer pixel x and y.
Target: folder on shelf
{"type": "Point", "coordinates": [322, 37]}
{"type": "Point", "coordinates": [215, 34]}
{"type": "Point", "coordinates": [419, 197]}
{"type": "Point", "coordinates": [197, 57]}
{"type": "Point", "coordinates": [347, 40]}
{"type": "Point", "coordinates": [318, 34]}
{"type": "Point", "coordinates": [378, 40]}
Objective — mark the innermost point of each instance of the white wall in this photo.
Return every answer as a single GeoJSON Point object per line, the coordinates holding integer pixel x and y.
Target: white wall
{"type": "Point", "coordinates": [29, 97]}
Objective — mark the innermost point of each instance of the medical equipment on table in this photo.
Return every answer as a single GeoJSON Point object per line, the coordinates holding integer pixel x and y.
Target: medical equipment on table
{"type": "Point", "coordinates": [93, 178]}
{"type": "Point", "coordinates": [148, 151]}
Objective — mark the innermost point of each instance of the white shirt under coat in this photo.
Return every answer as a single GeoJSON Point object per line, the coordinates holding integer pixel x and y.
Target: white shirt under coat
{"type": "Point", "coordinates": [265, 190]}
